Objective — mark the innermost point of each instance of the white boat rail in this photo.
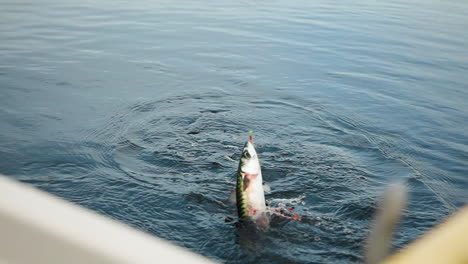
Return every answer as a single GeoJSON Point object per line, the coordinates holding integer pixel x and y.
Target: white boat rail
{"type": "Point", "coordinates": [36, 227]}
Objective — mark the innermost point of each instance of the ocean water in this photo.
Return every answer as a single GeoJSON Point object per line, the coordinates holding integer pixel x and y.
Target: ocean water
{"type": "Point", "coordinates": [139, 109]}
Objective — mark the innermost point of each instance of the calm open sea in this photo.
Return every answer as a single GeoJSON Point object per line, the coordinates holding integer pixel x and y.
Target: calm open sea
{"type": "Point", "coordinates": [139, 110]}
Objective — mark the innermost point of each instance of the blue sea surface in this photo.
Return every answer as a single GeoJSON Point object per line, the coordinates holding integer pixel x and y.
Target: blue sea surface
{"type": "Point", "coordinates": [139, 109]}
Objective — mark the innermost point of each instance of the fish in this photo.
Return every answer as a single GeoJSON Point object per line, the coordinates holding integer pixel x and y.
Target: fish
{"type": "Point", "coordinates": [250, 195]}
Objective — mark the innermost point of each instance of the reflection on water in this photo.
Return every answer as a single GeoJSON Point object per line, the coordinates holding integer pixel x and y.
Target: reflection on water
{"type": "Point", "coordinates": [139, 111]}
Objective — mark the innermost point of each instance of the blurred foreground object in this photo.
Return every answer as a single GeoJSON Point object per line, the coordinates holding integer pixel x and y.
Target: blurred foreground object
{"type": "Point", "coordinates": [36, 227]}
{"type": "Point", "coordinates": [446, 243]}
{"type": "Point", "coordinates": [388, 216]}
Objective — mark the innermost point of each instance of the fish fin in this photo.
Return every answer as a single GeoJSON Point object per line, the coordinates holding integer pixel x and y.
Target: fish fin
{"type": "Point", "coordinates": [232, 197]}
{"type": "Point", "coordinates": [246, 182]}
{"type": "Point", "coordinates": [266, 187]}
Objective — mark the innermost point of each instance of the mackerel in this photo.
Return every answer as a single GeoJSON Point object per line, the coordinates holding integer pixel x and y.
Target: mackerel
{"type": "Point", "coordinates": [250, 197]}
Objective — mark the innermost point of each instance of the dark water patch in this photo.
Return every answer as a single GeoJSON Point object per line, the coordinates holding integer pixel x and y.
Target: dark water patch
{"type": "Point", "coordinates": [127, 146]}
{"type": "Point", "coordinates": [144, 107]}
{"type": "Point", "coordinates": [63, 84]}
{"type": "Point", "coordinates": [359, 209]}
{"type": "Point", "coordinates": [214, 111]}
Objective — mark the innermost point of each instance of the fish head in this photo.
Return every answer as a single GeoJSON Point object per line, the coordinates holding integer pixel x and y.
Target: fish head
{"type": "Point", "coordinates": [249, 162]}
